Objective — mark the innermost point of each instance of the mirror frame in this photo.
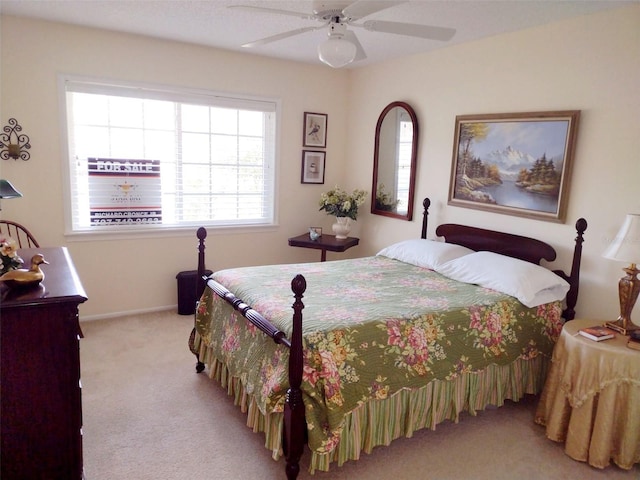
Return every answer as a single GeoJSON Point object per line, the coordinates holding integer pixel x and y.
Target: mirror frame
{"type": "Point", "coordinates": [412, 174]}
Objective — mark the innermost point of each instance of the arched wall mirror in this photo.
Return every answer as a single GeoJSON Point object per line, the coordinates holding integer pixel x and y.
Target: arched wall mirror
{"type": "Point", "coordinates": [394, 162]}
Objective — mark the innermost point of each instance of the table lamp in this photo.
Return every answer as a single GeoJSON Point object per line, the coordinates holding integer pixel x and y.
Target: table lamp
{"type": "Point", "coordinates": [7, 190]}
{"type": "Point", "coordinates": [626, 248]}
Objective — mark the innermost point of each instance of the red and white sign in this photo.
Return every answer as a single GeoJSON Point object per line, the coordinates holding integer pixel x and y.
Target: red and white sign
{"type": "Point", "coordinates": [124, 191]}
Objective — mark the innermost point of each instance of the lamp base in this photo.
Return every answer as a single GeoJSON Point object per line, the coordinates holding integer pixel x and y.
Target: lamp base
{"type": "Point", "coordinates": [628, 291]}
{"type": "Point", "coordinates": [620, 327]}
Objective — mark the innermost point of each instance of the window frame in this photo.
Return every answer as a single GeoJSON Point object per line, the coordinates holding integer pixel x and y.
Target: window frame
{"type": "Point", "coordinates": [179, 94]}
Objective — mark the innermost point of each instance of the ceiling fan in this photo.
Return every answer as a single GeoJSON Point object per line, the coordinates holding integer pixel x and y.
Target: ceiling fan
{"type": "Point", "coordinates": [342, 46]}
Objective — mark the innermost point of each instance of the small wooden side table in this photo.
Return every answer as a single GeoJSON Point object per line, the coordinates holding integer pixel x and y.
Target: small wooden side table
{"type": "Point", "coordinates": [591, 398]}
{"type": "Point", "coordinates": [324, 243]}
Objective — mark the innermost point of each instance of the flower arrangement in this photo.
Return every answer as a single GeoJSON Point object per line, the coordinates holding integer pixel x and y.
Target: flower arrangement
{"type": "Point", "coordinates": [339, 203]}
{"type": "Point", "coordinates": [9, 255]}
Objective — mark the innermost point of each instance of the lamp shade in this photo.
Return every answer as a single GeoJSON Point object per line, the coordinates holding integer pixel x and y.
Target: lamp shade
{"type": "Point", "coordinates": [625, 247]}
{"type": "Point", "coordinates": [7, 190]}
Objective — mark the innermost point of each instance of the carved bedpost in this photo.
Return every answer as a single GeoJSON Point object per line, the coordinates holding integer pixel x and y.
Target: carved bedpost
{"type": "Point", "coordinates": [199, 286]}
{"type": "Point", "coordinates": [569, 313]}
{"type": "Point", "coordinates": [294, 429]}
{"type": "Point", "coordinates": [426, 203]}
{"type": "Point", "coordinates": [200, 283]}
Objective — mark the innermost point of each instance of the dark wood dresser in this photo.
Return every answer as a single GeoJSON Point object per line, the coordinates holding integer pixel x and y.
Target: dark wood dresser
{"type": "Point", "coordinates": [40, 369]}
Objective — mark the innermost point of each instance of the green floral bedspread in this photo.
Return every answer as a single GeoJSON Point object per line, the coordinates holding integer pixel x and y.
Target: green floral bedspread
{"type": "Point", "coordinates": [372, 326]}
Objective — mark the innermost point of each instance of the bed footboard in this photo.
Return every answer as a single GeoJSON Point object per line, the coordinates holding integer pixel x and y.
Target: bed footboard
{"type": "Point", "coordinates": [295, 426]}
{"type": "Point", "coordinates": [294, 436]}
{"type": "Point", "coordinates": [294, 432]}
{"type": "Point", "coordinates": [201, 234]}
{"type": "Point", "coordinates": [249, 313]}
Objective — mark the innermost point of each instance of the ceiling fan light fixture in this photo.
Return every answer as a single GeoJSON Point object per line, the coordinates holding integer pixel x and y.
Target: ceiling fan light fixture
{"type": "Point", "coordinates": [343, 47]}
{"type": "Point", "coordinates": [336, 51]}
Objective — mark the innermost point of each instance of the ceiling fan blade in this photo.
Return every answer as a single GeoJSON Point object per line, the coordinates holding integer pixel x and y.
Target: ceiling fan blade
{"type": "Point", "coordinates": [363, 8]}
{"type": "Point", "coordinates": [410, 29]}
{"type": "Point", "coordinates": [280, 36]}
{"type": "Point", "coordinates": [360, 53]}
{"type": "Point", "coordinates": [306, 16]}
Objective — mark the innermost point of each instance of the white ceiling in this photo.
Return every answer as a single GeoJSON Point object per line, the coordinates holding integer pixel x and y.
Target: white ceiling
{"type": "Point", "coordinates": [212, 23]}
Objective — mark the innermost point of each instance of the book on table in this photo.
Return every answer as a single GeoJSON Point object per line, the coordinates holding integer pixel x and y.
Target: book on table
{"type": "Point", "coordinates": [633, 343]}
{"type": "Point", "coordinates": [597, 333]}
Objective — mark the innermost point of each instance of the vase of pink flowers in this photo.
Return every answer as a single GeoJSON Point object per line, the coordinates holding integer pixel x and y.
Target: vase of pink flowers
{"type": "Point", "coordinates": [9, 255]}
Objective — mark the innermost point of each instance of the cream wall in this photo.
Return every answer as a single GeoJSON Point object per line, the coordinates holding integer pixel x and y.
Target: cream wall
{"type": "Point", "coordinates": [591, 63]}
{"type": "Point", "coordinates": [138, 274]}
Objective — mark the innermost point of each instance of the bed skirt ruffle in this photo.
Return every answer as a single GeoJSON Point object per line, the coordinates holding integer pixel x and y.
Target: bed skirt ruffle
{"type": "Point", "coordinates": [379, 422]}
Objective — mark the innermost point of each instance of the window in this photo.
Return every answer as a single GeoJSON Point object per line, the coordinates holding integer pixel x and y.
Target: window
{"type": "Point", "coordinates": [149, 157]}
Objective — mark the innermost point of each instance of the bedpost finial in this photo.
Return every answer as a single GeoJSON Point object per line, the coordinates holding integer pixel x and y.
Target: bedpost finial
{"type": "Point", "coordinates": [426, 203]}
{"type": "Point", "coordinates": [298, 285]}
{"type": "Point", "coordinates": [581, 225]}
{"type": "Point", "coordinates": [201, 233]}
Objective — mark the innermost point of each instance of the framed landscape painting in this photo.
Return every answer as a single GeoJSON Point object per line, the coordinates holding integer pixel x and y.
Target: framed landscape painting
{"type": "Point", "coordinates": [514, 163]}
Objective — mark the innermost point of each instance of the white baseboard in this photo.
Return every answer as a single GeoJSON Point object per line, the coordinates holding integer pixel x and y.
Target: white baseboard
{"type": "Point", "coordinates": [90, 318]}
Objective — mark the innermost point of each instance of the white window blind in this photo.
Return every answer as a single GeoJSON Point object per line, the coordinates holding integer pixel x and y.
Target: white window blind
{"type": "Point", "coordinates": [149, 157]}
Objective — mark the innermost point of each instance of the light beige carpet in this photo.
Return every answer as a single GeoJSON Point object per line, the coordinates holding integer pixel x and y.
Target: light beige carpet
{"type": "Point", "coordinates": [148, 415]}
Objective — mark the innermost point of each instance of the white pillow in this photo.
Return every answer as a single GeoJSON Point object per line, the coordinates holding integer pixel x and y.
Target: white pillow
{"type": "Point", "coordinates": [424, 253]}
{"type": "Point", "coordinates": [532, 284]}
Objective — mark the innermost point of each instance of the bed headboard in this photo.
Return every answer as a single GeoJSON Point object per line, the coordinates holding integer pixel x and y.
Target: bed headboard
{"type": "Point", "coordinates": [516, 246]}
{"type": "Point", "coordinates": [479, 239]}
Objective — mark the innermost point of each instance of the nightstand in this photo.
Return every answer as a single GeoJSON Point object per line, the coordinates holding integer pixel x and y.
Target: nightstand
{"type": "Point", "coordinates": [591, 399]}
{"type": "Point", "coordinates": [324, 243]}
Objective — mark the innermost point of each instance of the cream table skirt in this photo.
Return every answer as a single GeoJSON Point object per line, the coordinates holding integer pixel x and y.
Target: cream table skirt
{"type": "Point", "coordinates": [591, 399]}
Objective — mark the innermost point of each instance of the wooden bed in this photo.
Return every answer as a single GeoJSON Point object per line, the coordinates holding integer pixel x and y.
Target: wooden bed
{"type": "Point", "coordinates": [290, 427]}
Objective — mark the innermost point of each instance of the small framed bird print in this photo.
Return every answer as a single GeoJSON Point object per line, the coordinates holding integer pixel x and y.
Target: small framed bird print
{"type": "Point", "coordinates": [312, 166]}
{"type": "Point", "coordinates": [315, 130]}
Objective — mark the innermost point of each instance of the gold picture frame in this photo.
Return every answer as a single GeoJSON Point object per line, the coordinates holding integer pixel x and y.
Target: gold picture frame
{"type": "Point", "coordinates": [514, 163]}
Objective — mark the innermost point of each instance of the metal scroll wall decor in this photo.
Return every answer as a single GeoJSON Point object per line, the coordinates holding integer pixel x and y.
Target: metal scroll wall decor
{"type": "Point", "coordinates": [14, 144]}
